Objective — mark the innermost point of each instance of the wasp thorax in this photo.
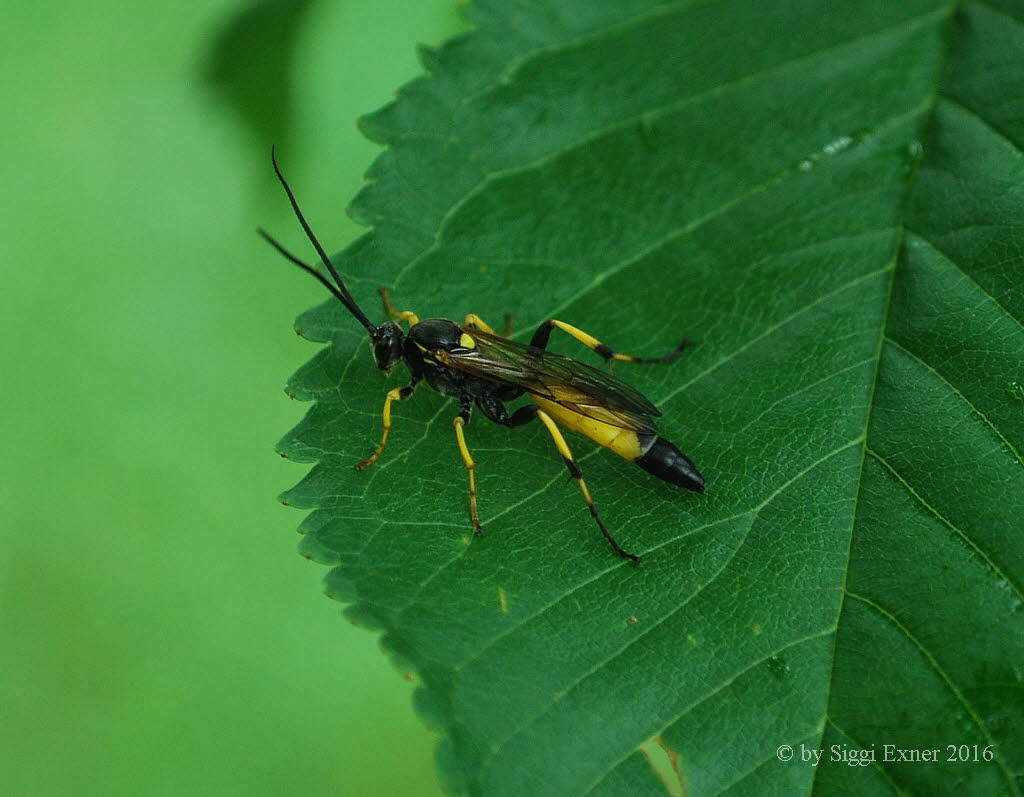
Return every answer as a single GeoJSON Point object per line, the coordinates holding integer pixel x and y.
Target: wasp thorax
{"type": "Point", "coordinates": [436, 334]}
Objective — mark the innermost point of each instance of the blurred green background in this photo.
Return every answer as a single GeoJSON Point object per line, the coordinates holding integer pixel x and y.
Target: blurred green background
{"type": "Point", "coordinates": [159, 633]}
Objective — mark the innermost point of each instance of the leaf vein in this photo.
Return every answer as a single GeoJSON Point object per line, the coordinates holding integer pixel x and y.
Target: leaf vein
{"type": "Point", "coordinates": [491, 176]}
{"type": "Point", "coordinates": [885, 773]}
{"type": "Point", "coordinates": [933, 662]}
{"type": "Point", "coordinates": [967, 276]}
{"type": "Point", "coordinates": [773, 756]}
{"type": "Point", "coordinates": [754, 509]}
{"type": "Point", "coordinates": [967, 401]}
{"type": "Point", "coordinates": [675, 610]}
{"type": "Point", "coordinates": [988, 125]}
{"type": "Point", "coordinates": [1000, 12]}
{"type": "Point", "coordinates": [566, 595]}
{"type": "Point", "coordinates": [978, 551]}
{"type": "Point", "coordinates": [717, 690]}
{"type": "Point", "coordinates": [804, 389]}
{"type": "Point", "coordinates": [768, 331]}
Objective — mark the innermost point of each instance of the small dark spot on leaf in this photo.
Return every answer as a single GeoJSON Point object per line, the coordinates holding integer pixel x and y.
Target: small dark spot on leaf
{"type": "Point", "coordinates": [778, 667]}
{"type": "Point", "coordinates": [649, 133]}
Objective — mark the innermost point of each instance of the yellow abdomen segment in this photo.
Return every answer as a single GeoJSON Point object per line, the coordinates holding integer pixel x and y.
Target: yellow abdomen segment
{"type": "Point", "coordinates": [624, 442]}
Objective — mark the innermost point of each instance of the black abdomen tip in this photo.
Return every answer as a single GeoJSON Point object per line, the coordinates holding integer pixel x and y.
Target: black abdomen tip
{"type": "Point", "coordinates": [667, 462]}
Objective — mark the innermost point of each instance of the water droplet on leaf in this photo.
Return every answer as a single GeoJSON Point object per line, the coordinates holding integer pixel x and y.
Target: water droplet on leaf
{"type": "Point", "coordinates": [778, 667]}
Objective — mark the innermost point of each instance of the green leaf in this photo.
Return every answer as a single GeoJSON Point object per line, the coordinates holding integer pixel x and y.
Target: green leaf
{"type": "Point", "coordinates": [828, 198]}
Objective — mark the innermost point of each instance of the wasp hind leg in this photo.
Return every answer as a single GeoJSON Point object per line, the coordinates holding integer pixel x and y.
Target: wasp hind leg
{"type": "Point", "coordinates": [526, 414]}
{"type": "Point", "coordinates": [396, 394]}
{"type": "Point", "coordinates": [543, 333]}
{"type": "Point", "coordinates": [459, 421]}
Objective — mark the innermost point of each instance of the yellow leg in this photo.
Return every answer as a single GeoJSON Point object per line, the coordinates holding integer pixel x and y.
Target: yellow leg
{"type": "Point", "coordinates": [540, 340]}
{"type": "Point", "coordinates": [404, 315]}
{"type": "Point", "coordinates": [397, 394]}
{"type": "Point", "coordinates": [459, 422]}
{"type": "Point", "coordinates": [475, 321]}
{"type": "Point", "coordinates": [577, 474]}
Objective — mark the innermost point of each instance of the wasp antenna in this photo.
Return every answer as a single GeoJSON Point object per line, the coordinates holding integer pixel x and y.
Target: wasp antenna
{"type": "Point", "coordinates": [342, 292]}
{"type": "Point", "coordinates": [301, 264]}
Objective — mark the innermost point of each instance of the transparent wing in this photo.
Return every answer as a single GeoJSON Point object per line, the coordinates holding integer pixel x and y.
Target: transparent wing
{"type": "Point", "coordinates": [576, 386]}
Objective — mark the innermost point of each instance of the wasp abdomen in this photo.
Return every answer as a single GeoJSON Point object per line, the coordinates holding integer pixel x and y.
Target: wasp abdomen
{"type": "Point", "coordinates": [667, 462]}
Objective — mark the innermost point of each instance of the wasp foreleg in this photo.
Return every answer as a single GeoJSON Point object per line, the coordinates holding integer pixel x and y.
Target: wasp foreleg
{"type": "Point", "coordinates": [396, 394]}
{"type": "Point", "coordinates": [476, 322]}
{"type": "Point", "coordinates": [401, 315]}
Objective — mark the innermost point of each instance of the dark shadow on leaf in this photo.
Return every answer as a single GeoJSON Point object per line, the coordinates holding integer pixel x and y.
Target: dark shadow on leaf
{"type": "Point", "coordinates": [249, 65]}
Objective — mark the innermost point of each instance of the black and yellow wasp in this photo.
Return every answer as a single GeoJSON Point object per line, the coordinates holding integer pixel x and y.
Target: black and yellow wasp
{"type": "Point", "coordinates": [477, 367]}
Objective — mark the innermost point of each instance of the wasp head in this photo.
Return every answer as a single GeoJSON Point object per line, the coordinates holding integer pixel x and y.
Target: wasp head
{"type": "Point", "coordinates": [387, 345]}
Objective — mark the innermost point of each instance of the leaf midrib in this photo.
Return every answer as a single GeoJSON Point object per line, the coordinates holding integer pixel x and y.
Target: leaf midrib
{"type": "Point", "coordinates": [845, 592]}
{"type": "Point", "coordinates": [926, 112]}
{"type": "Point", "coordinates": [923, 109]}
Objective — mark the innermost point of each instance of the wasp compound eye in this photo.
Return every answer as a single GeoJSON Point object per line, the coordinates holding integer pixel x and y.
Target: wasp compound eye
{"type": "Point", "coordinates": [387, 345]}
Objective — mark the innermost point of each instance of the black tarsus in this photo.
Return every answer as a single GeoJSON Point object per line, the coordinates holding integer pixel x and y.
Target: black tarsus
{"type": "Point", "coordinates": [342, 292]}
{"type": "Point", "coordinates": [496, 411]}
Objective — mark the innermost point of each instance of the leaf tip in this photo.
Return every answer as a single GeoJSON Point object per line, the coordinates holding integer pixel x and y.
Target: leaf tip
{"type": "Point", "coordinates": [360, 614]}
{"type": "Point", "coordinates": [428, 56]}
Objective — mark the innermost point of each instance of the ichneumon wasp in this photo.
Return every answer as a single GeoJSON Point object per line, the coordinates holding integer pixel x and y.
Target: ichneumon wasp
{"type": "Point", "coordinates": [481, 369]}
